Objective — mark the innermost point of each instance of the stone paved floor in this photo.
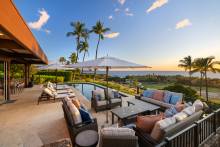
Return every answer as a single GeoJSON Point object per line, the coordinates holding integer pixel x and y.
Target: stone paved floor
{"type": "Point", "coordinates": [213, 141]}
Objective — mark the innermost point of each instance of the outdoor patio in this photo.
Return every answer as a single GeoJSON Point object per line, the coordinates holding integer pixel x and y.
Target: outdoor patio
{"type": "Point", "coordinates": [28, 124]}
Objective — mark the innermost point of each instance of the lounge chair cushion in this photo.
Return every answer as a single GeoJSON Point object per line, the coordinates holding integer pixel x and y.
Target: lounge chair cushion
{"type": "Point", "coordinates": [85, 115]}
{"type": "Point", "coordinates": [189, 110]}
{"type": "Point", "coordinates": [156, 102]}
{"type": "Point", "coordinates": [146, 123]}
{"type": "Point", "coordinates": [180, 116]}
{"type": "Point", "coordinates": [116, 100]}
{"type": "Point", "coordinates": [167, 96]}
{"type": "Point", "coordinates": [101, 103]}
{"type": "Point", "coordinates": [49, 92]}
{"type": "Point", "coordinates": [198, 105]}
{"type": "Point", "coordinates": [74, 112]}
{"type": "Point", "coordinates": [158, 95]}
{"type": "Point", "coordinates": [58, 96]}
{"type": "Point", "coordinates": [148, 93]}
{"type": "Point", "coordinates": [175, 98]}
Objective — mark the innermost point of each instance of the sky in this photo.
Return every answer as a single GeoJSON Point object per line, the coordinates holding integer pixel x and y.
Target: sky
{"type": "Point", "coordinates": [156, 33]}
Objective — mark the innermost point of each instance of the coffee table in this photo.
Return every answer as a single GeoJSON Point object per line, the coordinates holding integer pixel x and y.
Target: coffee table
{"type": "Point", "coordinates": [137, 107]}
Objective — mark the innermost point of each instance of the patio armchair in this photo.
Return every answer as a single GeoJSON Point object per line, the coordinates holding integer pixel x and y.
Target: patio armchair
{"type": "Point", "coordinates": [74, 128]}
{"type": "Point", "coordinates": [99, 101]}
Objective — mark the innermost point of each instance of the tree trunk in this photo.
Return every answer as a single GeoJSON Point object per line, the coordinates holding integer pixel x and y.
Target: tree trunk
{"type": "Point", "coordinates": [83, 59]}
{"type": "Point", "coordinates": [206, 87]}
{"type": "Point", "coordinates": [77, 49]}
{"type": "Point", "coordinates": [200, 87]}
{"type": "Point", "coordinates": [190, 77]}
{"type": "Point", "coordinates": [96, 54]}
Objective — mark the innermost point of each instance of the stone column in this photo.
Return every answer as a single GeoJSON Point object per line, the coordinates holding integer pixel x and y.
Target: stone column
{"type": "Point", "coordinates": [7, 92]}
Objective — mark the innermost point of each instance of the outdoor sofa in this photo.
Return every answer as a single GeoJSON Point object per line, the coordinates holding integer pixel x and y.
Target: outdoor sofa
{"type": "Point", "coordinates": [99, 100]}
{"type": "Point", "coordinates": [74, 126]}
{"type": "Point", "coordinates": [164, 99]}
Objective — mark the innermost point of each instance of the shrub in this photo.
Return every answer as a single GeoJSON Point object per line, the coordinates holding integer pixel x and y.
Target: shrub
{"type": "Point", "coordinates": [41, 79]}
{"type": "Point", "coordinates": [189, 94]}
{"type": "Point", "coordinates": [66, 74]}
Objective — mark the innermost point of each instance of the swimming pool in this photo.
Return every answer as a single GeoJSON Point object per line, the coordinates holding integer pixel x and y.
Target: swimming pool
{"type": "Point", "coordinates": [86, 89]}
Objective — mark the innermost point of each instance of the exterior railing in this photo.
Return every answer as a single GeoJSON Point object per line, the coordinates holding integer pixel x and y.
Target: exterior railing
{"type": "Point", "coordinates": [196, 134]}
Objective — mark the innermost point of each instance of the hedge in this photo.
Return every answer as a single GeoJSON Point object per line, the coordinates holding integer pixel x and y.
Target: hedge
{"type": "Point", "coordinates": [66, 74]}
{"type": "Point", "coordinates": [40, 79]}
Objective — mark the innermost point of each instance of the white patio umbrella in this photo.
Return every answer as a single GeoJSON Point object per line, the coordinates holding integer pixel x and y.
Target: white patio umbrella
{"type": "Point", "coordinates": [107, 63]}
{"type": "Point", "coordinates": [54, 66]}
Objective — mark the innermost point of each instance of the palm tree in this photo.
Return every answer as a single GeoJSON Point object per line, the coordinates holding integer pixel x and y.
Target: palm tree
{"type": "Point", "coordinates": [209, 65]}
{"type": "Point", "coordinates": [62, 60]}
{"type": "Point", "coordinates": [99, 29]}
{"type": "Point", "coordinates": [78, 29]}
{"type": "Point", "coordinates": [73, 58]}
{"type": "Point", "coordinates": [198, 66]}
{"type": "Point", "coordinates": [187, 64]}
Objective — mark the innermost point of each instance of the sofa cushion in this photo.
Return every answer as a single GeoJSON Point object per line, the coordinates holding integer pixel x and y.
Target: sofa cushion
{"type": "Point", "coordinates": [110, 93]}
{"type": "Point", "coordinates": [74, 112]}
{"type": "Point", "coordinates": [180, 116]}
{"type": "Point", "coordinates": [158, 95]}
{"type": "Point", "coordinates": [85, 115]}
{"type": "Point", "coordinates": [198, 105]}
{"type": "Point", "coordinates": [148, 93]}
{"type": "Point", "coordinates": [189, 110]}
{"type": "Point", "coordinates": [157, 133]}
{"type": "Point", "coordinates": [177, 127]}
{"type": "Point", "coordinates": [165, 123]}
{"type": "Point", "coordinates": [116, 132]}
{"type": "Point", "coordinates": [146, 123]}
{"type": "Point", "coordinates": [76, 102]}
{"type": "Point", "coordinates": [156, 102]}
{"type": "Point", "coordinates": [101, 103]}
{"type": "Point", "coordinates": [167, 96]}
{"type": "Point", "coordinates": [99, 94]}
{"type": "Point", "coordinates": [175, 98]}
{"type": "Point", "coordinates": [170, 112]}
{"type": "Point", "coordinates": [115, 100]}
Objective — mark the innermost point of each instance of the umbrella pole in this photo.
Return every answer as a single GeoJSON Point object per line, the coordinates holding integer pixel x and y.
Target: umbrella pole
{"type": "Point", "coordinates": [107, 105]}
{"type": "Point", "coordinates": [56, 78]}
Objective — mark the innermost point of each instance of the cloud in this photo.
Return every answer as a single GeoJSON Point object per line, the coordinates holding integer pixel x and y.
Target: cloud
{"type": "Point", "coordinates": [47, 31]}
{"type": "Point", "coordinates": [110, 17]}
{"type": "Point", "coordinates": [122, 2]}
{"type": "Point", "coordinates": [44, 17]}
{"type": "Point", "coordinates": [183, 23]}
{"type": "Point", "coordinates": [128, 12]}
{"type": "Point", "coordinates": [112, 35]}
{"type": "Point", "coordinates": [157, 4]}
{"type": "Point", "coordinates": [117, 10]}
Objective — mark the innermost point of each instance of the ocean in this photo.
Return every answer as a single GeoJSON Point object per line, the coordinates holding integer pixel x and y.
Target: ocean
{"type": "Point", "coordinates": [166, 73]}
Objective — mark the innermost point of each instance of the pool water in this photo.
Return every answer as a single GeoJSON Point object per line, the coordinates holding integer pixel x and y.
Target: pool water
{"type": "Point", "coordinates": [86, 89]}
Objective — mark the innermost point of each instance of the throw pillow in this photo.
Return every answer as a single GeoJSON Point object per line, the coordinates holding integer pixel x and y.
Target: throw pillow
{"type": "Point", "coordinates": [189, 110]}
{"type": "Point", "coordinates": [148, 93]}
{"type": "Point", "coordinates": [76, 102]}
{"type": "Point", "coordinates": [85, 115]}
{"type": "Point", "coordinates": [174, 99]}
{"type": "Point", "coordinates": [74, 112]}
{"type": "Point", "coordinates": [146, 123]}
{"type": "Point", "coordinates": [157, 133]}
{"type": "Point", "coordinates": [158, 95]}
{"type": "Point", "coordinates": [170, 112]}
{"type": "Point", "coordinates": [179, 106]}
{"type": "Point", "coordinates": [180, 116]}
{"type": "Point", "coordinates": [116, 94]}
{"type": "Point", "coordinates": [167, 96]}
{"type": "Point", "coordinates": [198, 105]}
{"type": "Point", "coordinates": [99, 94]}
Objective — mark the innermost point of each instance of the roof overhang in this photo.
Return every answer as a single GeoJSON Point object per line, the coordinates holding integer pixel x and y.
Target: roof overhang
{"type": "Point", "coordinates": [16, 39]}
